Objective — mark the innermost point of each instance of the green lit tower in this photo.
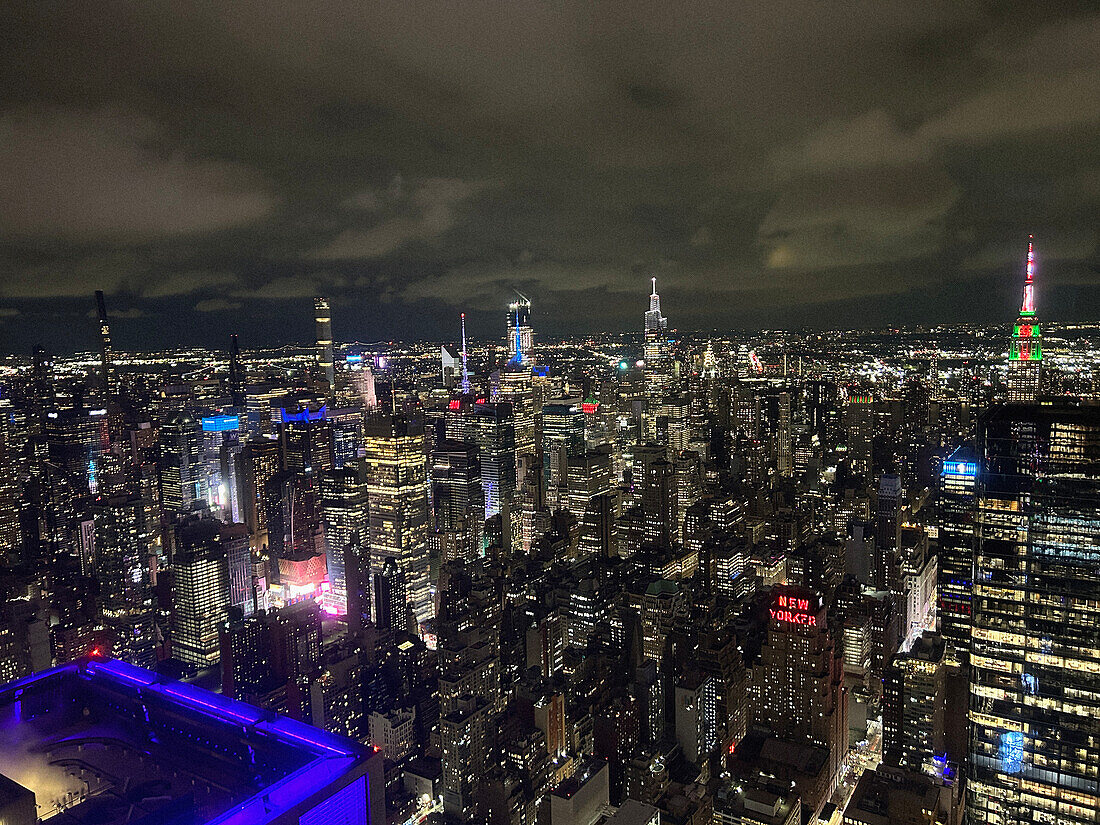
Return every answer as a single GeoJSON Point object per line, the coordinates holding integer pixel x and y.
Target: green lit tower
{"type": "Point", "coordinates": [1025, 355]}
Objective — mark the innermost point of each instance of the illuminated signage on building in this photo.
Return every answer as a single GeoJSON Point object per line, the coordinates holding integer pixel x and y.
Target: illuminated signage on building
{"type": "Point", "coordinates": [793, 610]}
{"type": "Point", "coordinates": [220, 423]}
{"type": "Point", "coordinates": [960, 468]}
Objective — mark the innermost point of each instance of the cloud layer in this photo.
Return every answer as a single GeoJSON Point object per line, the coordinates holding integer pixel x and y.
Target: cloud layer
{"type": "Point", "coordinates": [783, 163]}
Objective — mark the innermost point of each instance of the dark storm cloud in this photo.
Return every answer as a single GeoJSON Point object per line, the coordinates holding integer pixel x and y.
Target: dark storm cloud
{"type": "Point", "coordinates": [216, 165]}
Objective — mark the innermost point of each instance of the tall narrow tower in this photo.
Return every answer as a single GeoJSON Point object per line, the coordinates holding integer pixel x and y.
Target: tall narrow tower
{"type": "Point", "coordinates": [107, 371]}
{"type": "Point", "coordinates": [236, 374]}
{"type": "Point", "coordinates": [657, 371]}
{"type": "Point", "coordinates": [323, 317]}
{"type": "Point", "coordinates": [1025, 354]}
{"type": "Point", "coordinates": [520, 334]}
{"type": "Point", "coordinates": [465, 373]}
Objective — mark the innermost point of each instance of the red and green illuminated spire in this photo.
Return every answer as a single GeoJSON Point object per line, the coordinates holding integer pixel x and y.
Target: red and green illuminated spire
{"type": "Point", "coordinates": [1026, 338]}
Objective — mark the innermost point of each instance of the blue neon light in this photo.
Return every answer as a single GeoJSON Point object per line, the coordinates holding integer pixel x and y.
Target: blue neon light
{"type": "Point", "coordinates": [220, 423]}
{"type": "Point", "coordinates": [1012, 751]}
{"type": "Point", "coordinates": [304, 415]}
{"type": "Point", "coordinates": [960, 468]}
{"type": "Point", "coordinates": [541, 372]}
{"type": "Point", "coordinates": [354, 358]}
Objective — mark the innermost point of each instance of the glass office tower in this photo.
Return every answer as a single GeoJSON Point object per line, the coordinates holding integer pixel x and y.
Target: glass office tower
{"type": "Point", "coordinates": [1035, 644]}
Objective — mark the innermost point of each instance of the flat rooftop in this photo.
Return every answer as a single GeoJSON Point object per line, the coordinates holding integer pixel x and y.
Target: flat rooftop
{"type": "Point", "coordinates": [101, 742]}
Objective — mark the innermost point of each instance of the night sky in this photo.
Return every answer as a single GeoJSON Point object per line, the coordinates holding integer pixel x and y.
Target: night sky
{"type": "Point", "coordinates": [211, 166]}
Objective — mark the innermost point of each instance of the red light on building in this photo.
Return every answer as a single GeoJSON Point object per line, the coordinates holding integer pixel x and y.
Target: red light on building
{"type": "Point", "coordinates": [454, 404]}
{"type": "Point", "coordinates": [589, 408]}
{"type": "Point", "coordinates": [793, 610]}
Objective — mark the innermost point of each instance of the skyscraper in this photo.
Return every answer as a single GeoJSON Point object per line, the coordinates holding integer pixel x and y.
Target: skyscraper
{"type": "Point", "coordinates": [521, 337]}
{"type": "Point", "coordinates": [107, 371]}
{"type": "Point", "coordinates": [236, 376]}
{"type": "Point", "coordinates": [1035, 644]}
{"type": "Point", "coordinates": [323, 317]}
{"type": "Point", "coordinates": [200, 591]}
{"type": "Point", "coordinates": [344, 501]}
{"type": "Point", "coordinates": [656, 346]}
{"type": "Point", "coordinates": [1025, 353]}
{"type": "Point", "coordinates": [958, 483]}
{"type": "Point", "coordinates": [398, 491]}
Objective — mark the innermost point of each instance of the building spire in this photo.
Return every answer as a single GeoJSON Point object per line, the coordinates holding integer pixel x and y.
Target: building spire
{"type": "Point", "coordinates": [1027, 308]}
{"type": "Point", "coordinates": [465, 374]}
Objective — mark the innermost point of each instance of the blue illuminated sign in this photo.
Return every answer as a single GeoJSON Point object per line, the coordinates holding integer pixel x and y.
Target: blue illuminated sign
{"type": "Point", "coordinates": [220, 423]}
{"type": "Point", "coordinates": [960, 468]}
{"type": "Point", "coordinates": [541, 372]}
{"type": "Point", "coordinates": [304, 415]}
{"type": "Point", "coordinates": [354, 358]}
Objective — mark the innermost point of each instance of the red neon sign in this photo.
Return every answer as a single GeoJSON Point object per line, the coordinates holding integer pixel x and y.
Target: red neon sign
{"type": "Point", "coordinates": [588, 408]}
{"type": "Point", "coordinates": [455, 404]}
{"type": "Point", "coordinates": [791, 610]}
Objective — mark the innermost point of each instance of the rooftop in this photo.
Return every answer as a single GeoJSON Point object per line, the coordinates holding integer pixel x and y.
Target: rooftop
{"type": "Point", "coordinates": [104, 742]}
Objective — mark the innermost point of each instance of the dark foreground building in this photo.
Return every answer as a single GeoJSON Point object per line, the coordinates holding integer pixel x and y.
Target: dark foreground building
{"type": "Point", "coordinates": [104, 742]}
{"type": "Point", "coordinates": [1035, 644]}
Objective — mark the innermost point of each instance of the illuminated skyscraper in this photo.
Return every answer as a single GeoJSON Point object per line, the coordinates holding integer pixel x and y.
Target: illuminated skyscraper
{"type": "Point", "coordinates": [958, 484]}
{"type": "Point", "coordinates": [657, 366]}
{"type": "Point", "coordinates": [107, 375]}
{"type": "Point", "coordinates": [521, 338]}
{"type": "Point", "coordinates": [344, 500]}
{"type": "Point", "coordinates": [1025, 354]}
{"type": "Point", "coordinates": [398, 492]}
{"type": "Point", "coordinates": [122, 564]}
{"type": "Point", "coordinates": [1035, 644]}
{"type": "Point", "coordinates": [200, 591]}
{"type": "Point", "coordinates": [323, 316]}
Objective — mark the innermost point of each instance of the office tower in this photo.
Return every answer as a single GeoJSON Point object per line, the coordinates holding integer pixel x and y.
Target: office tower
{"type": "Point", "coordinates": [107, 375]}
{"type": "Point", "coordinates": [1035, 652]}
{"type": "Point", "coordinates": [450, 366]}
{"type": "Point", "coordinates": [200, 591]}
{"type": "Point", "coordinates": [958, 486]}
{"type": "Point", "coordinates": [859, 420]}
{"type": "Point", "coordinates": [900, 797]}
{"type": "Point", "coordinates": [308, 441]}
{"type": "Point", "coordinates": [220, 463]}
{"type": "Point", "coordinates": [398, 492]}
{"type": "Point", "coordinates": [655, 491]}
{"type": "Point", "coordinates": [1025, 353]}
{"type": "Point", "coordinates": [390, 598]}
{"type": "Point", "coordinates": [884, 569]}
{"type": "Point", "coordinates": [323, 318]}
{"type": "Point", "coordinates": [261, 464]}
{"type": "Point", "coordinates": [913, 699]}
{"type": "Point", "coordinates": [180, 461]}
{"type": "Point", "coordinates": [492, 428]}
{"type": "Point", "coordinates": [656, 350]}
{"type": "Point", "coordinates": [458, 503]}
{"type": "Point", "coordinates": [521, 339]}
{"type": "Point", "coordinates": [562, 437]}
{"type": "Point", "coordinates": [76, 441]}
{"type": "Point", "coordinates": [783, 443]}
{"type": "Point", "coordinates": [237, 393]}
{"type": "Point", "coordinates": [696, 702]}
{"type": "Point", "coordinates": [797, 687]}
{"type": "Point", "coordinates": [238, 554]}
{"type": "Point", "coordinates": [123, 557]}
{"type": "Point", "coordinates": [344, 515]}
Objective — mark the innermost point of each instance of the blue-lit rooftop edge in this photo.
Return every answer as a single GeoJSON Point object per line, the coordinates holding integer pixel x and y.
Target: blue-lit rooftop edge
{"type": "Point", "coordinates": [333, 754]}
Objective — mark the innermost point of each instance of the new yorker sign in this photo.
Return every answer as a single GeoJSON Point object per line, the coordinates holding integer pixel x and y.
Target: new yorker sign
{"type": "Point", "coordinates": [792, 609]}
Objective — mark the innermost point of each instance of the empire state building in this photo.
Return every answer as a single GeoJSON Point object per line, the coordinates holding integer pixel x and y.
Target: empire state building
{"type": "Point", "coordinates": [1025, 354]}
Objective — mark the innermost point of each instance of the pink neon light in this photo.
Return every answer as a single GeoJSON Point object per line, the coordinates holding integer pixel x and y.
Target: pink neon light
{"type": "Point", "coordinates": [1029, 285]}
